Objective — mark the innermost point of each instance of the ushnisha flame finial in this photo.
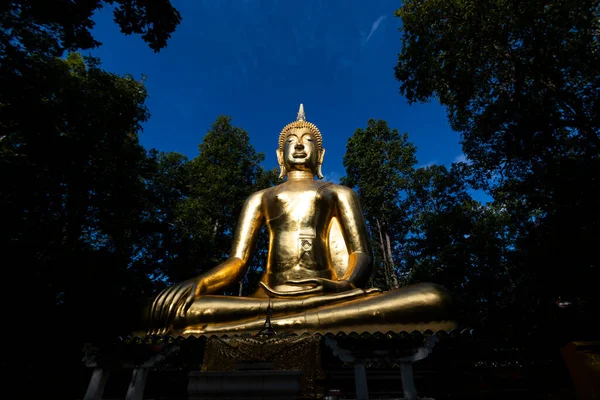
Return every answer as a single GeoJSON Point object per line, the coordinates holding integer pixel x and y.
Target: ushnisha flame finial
{"type": "Point", "coordinates": [301, 114]}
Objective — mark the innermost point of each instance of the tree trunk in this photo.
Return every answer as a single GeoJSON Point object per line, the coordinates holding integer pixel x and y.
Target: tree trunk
{"type": "Point", "coordinates": [241, 288]}
{"type": "Point", "coordinates": [393, 276]}
{"type": "Point", "coordinates": [384, 253]}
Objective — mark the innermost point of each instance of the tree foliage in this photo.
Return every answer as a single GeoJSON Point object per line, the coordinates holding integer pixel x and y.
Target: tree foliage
{"type": "Point", "coordinates": [218, 181]}
{"type": "Point", "coordinates": [77, 224]}
{"type": "Point", "coordinates": [50, 27]}
{"type": "Point", "coordinates": [72, 177]}
{"type": "Point", "coordinates": [74, 208]}
{"type": "Point", "coordinates": [379, 162]}
{"type": "Point", "coordinates": [519, 80]}
{"type": "Point", "coordinates": [458, 243]}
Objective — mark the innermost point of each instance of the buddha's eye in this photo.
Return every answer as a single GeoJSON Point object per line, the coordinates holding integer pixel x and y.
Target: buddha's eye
{"type": "Point", "coordinates": [309, 139]}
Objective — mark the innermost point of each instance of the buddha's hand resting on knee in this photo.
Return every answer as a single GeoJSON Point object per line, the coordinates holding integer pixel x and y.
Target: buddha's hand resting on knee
{"type": "Point", "coordinates": [172, 303]}
{"type": "Point", "coordinates": [319, 286]}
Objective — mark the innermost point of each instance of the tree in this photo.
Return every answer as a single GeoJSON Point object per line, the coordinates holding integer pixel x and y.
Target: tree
{"type": "Point", "coordinates": [74, 211]}
{"type": "Point", "coordinates": [519, 80]}
{"type": "Point", "coordinates": [58, 208]}
{"type": "Point", "coordinates": [378, 164]}
{"type": "Point", "coordinates": [76, 219]}
{"type": "Point", "coordinates": [166, 188]}
{"type": "Point", "coordinates": [458, 243]}
{"type": "Point", "coordinates": [72, 174]}
{"type": "Point", "coordinates": [48, 28]}
{"type": "Point", "coordinates": [226, 171]}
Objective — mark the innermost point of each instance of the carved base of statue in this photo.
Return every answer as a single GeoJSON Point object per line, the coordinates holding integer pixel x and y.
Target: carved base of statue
{"type": "Point", "coordinates": [252, 367]}
{"type": "Point", "coordinates": [338, 365]}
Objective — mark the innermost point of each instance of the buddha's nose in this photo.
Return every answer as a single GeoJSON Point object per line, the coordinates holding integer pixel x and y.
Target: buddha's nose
{"type": "Point", "coordinates": [299, 146]}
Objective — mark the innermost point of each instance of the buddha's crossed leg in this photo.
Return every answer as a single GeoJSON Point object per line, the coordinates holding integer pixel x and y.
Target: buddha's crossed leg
{"type": "Point", "coordinates": [421, 307]}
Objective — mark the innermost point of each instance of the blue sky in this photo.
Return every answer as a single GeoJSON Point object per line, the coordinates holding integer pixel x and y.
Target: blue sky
{"type": "Point", "coordinates": [257, 60]}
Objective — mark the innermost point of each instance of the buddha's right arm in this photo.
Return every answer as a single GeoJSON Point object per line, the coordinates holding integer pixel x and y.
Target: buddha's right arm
{"type": "Point", "coordinates": [234, 268]}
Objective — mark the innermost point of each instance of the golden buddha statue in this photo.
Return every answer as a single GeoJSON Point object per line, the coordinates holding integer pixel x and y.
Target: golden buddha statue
{"type": "Point", "coordinates": [318, 263]}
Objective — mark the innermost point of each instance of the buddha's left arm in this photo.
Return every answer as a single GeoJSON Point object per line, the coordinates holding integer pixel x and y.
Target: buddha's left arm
{"type": "Point", "coordinates": [356, 237]}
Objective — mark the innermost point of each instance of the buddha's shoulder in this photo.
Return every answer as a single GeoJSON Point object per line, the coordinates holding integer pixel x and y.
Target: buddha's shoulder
{"type": "Point", "coordinates": [268, 193]}
{"type": "Point", "coordinates": [257, 197]}
{"type": "Point", "coordinates": [336, 190]}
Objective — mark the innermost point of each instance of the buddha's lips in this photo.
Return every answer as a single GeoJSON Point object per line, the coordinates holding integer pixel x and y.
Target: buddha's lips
{"type": "Point", "coordinates": [299, 155]}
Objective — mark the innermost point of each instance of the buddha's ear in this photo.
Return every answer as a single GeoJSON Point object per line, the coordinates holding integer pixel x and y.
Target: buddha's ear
{"type": "Point", "coordinates": [320, 163]}
{"type": "Point", "coordinates": [282, 170]}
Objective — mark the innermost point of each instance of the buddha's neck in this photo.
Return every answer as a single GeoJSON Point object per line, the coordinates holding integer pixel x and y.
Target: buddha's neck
{"type": "Point", "coordinates": [300, 175]}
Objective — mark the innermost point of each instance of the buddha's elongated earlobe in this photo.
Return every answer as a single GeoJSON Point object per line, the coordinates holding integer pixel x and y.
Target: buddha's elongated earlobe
{"type": "Point", "coordinates": [282, 170]}
{"type": "Point", "coordinates": [320, 163]}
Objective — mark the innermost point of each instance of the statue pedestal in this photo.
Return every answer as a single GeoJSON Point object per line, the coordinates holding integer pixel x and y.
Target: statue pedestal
{"type": "Point", "coordinates": [342, 366]}
{"type": "Point", "coordinates": [140, 363]}
{"type": "Point", "coordinates": [363, 351]}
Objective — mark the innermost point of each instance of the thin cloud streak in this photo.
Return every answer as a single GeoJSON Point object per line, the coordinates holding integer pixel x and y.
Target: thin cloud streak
{"type": "Point", "coordinates": [374, 27]}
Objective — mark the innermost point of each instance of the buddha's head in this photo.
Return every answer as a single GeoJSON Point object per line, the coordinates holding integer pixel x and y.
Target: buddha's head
{"type": "Point", "coordinates": [300, 147]}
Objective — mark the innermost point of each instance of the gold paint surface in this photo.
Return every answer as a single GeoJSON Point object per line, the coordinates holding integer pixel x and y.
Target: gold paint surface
{"type": "Point", "coordinates": [337, 248]}
{"type": "Point", "coordinates": [318, 264]}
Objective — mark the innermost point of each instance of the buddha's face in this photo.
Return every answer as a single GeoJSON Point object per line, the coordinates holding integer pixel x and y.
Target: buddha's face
{"type": "Point", "coordinates": [300, 151]}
